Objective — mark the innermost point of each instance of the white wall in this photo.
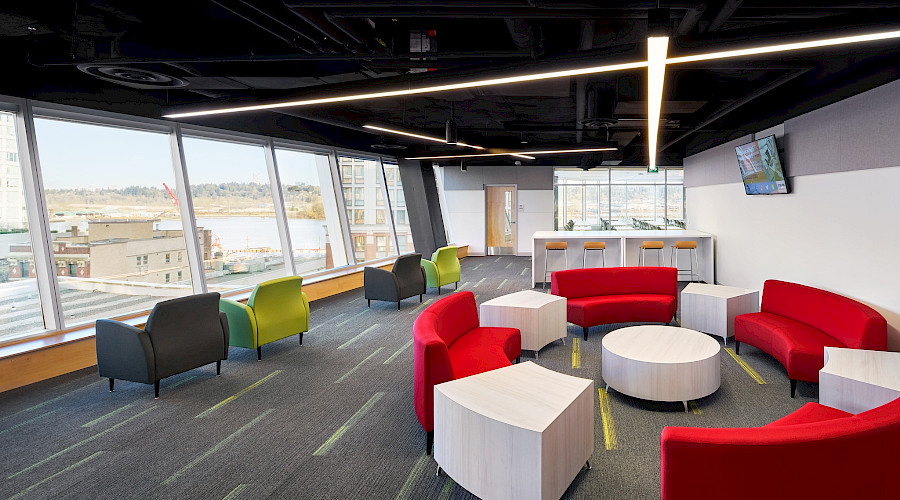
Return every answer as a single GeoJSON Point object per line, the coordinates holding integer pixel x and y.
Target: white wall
{"type": "Point", "coordinates": [837, 231]}
{"type": "Point", "coordinates": [466, 210]}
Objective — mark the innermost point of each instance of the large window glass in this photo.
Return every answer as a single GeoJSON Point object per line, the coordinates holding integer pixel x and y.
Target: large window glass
{"type": "Point", "coordinates": [114, 216]}
{"type": "Point", "coordinates": [398, 207]}
{"type": "Point", "coordinates": [235, 213]}
{"type": "Point", "coordinates": [311, 210]}
{"type": "Point", "coordinates": [20, 306]}
{"type": "Point", "coordinates": [365, 231]}
{"type": "Point", "coordinates": [619, 198]}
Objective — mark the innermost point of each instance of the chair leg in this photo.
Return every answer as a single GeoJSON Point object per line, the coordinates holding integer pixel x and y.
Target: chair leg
{"type": "Point", "coordinates": [518, 358]}
{"type": "Point", "coordinates": [218, 367]}
{"type": "Point", "coordinates": [793, 387]}
{"type": "Point", "coordinates": [737, 347]}
{"type": "Point", "coordinates": [439, 290]}
{"type": "Point", "coordinates": [156, 389]}
{"type": "Point", "coordinates": [420, 298]}
{"type": "Point", "coordinates": [398, 305]}
{"type": "Point", "coordinates": [456, 286]}
{"type": "Point", "coordinates": [585, 332]}
{"type": "Point", "coordinates": [301, 338]}
{"type": "Point", "coordinates": [429, 442]}
{"type": "Point", "coordinates": [112, 382]}
{"type": "Point", "coordinates": [259, 353]}
{"type": "Point", "coordinates": [370, 302]}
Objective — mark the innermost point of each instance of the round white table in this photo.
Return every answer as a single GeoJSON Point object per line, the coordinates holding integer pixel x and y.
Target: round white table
{"type": "Point", "coordinates": [661, 363]}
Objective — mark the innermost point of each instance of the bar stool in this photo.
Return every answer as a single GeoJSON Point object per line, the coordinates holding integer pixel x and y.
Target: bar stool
{"type": "Point", "coordinates": [686, 245]}
{"type": "Point", "coordinates": [652, 245]}
{"type": "Point", "coordinates": [594, 245]}
{"type": "Point", "coordinates": [550, 246]}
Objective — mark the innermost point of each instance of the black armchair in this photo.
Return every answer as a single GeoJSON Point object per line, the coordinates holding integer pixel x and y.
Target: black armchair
{"type": "Point", "coordinates": [405, 279]}
{"type": "Point", "coordinates": [181, 334]}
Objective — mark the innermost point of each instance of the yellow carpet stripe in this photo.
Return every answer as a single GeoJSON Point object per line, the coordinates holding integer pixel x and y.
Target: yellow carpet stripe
{"type": "Point", "coordinates": [576, 352]}
{"type": "Point", "coordinates": [747, 368]}
{"type": "Point", "coordinates": [399, 352]}
{"type": "Point", "coordinates": [342, 323]}
{"type": "Point", "coordinates": [67, 469]}
{"type": "Point", "coordinates": [507, 266]}
{"type": "Point", "coordinates": [352, 370]}
{"type": "Point", "coordinates": [240, 393]}
{"type": "Point", "coordinates": [523, 272]}
{"type": "Point", "coordinates": [354, 339]}
{"type": "Point", "coordinates": [235, 492]}
{"type": "Point", "coordinates": [403, 494]}
{"type": "Point", "coordinates": [501, 284]}
{"type": "Point", "coordinates": [445, 491]}
{"type": "Point", "coordinates": [221, 444]}
{"type": "Point", "coordinates": [176, 384]}
{"type": "Point", "coordinates": [476, 296]}
{"type": "Point", "coordinates": [609, 428]}
{"type": "Point", "coordinates": [422, 306]}
{"type": "Point", "coordinates": [497, 259]}
{"type": "Point", "coordinates": [695, 408]}
{"type": "Point", "coordinates": [76, 445]}
{"type": "Point", "coordinates": [348, 424]}
{"type": "Point", "coordinates": [110, 414]}
{"type": "Point", "coordinates": [479, 282]}
{"type": "Point", "coordinates": [30, 420]}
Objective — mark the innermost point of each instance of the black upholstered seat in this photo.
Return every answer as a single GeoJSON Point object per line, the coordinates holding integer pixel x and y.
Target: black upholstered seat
{"type": "Point", "coordinates": [180, 334]}
{"type": "Point", "coordinates": [405, 279]}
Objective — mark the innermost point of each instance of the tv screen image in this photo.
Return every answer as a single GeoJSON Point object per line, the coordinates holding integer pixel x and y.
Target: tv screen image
{"type": "Point", "coordinates": [761, 167]}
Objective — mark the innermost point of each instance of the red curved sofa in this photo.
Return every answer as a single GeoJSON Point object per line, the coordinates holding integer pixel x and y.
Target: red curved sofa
{"type": "Point", "coordinates": [448, 344]}
{"type": "Point", "coordinates": [816, 452]}
{"type": "Point", "coordinates": [796, 323]}
{"type": "Point", "coordinates": [600, 296]}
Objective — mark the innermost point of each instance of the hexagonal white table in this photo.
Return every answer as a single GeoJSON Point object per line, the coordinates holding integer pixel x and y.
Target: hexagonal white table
{"type": "Point", "coordinates": [539, 316]}
{"type": "Point", "coordinates": [519, 432]}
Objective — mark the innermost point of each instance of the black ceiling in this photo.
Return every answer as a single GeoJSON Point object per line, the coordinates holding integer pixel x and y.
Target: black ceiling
{"type": "Point", "coordinates": [151, 58]}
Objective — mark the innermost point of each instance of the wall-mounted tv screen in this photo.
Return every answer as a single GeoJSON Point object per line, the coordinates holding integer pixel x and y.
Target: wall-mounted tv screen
{"type": "Point", "coordinates": [761, 167]}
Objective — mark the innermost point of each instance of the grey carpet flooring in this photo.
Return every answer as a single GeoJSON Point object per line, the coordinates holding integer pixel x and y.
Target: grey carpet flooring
{"type": "Point", "coordinates": [332, 418]}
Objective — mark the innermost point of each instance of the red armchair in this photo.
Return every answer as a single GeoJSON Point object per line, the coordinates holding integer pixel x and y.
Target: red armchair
{"type": "Point", "coordinates": [797, 322]}
{"type": "Point", "coordinates": [816, 452]}
{"type": "Point", "coordinates": [601, 296]}
{"type": "Point", "coordinates": [448, 344]}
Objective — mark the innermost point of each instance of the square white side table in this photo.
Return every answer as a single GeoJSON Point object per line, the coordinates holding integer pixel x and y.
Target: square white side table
{"type": "Point", "coordinates": [712, 308]}
{"type": "Point", "coordinates": [539, 316]}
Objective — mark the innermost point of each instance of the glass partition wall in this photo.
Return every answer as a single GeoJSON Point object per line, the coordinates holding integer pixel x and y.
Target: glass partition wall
{"type": "Point", "coordinates": [91, 222]}
{"type": "Point", "coordinates": [618, 198]}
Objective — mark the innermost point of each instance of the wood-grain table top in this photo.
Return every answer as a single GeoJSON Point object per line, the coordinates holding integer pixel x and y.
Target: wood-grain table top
{"type": "Point", "coordinates": [660, 344]}
{"type": "Point", "coordinates": [528, 299]}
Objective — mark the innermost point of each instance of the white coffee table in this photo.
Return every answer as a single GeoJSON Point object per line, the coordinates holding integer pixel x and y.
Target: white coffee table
{"type": "Point", "coordinates": [857, 380]}
{"type": "Point", "coordinates": [539, 316]}
{"type": "Point", "coordinates": [712, 308]}
{"type": "Point", "coordinates": [661, 363]}
{"type": "Point", "coordinates": [519, 432]}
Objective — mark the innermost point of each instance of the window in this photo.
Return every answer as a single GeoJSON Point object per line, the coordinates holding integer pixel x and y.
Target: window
{"type": "Point", "coordinates": [398, 202]}
{"type": "Point", "coordinates": [619, 198]}
{"type": "Point", "coordinates": [20, 313]}
{"type": "Point", "coordinates": [168, 258]}
{"type": "Point", "coordinates": [348, 196]}
{"type": "Point", "coordinates": [180, 257]}
{"type": "Point", "coordinates": [380, 246]}
{"type": "Point", "coordinates": [107, 216]}
{"type": "Point", "coordinates": [363, 224]}
{"type": "Point", "coordinates": [390, 174]}
{"type": "Point", "coordinates": [379, 216]}
{"type": "Point", "coordinates": [167, 277]}
{"type": "Point", "coordinates": [179, 275]}
{"type": "Point", "coordinates": [235, 213]}
{"type": "Point", "coordinates": [379, 197]}
{"type": "Point", "coordinates": [312, 210]}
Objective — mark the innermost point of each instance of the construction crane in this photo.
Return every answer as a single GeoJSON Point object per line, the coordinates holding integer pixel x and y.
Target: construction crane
{"type": "Point", "coordinates": [174, 200]}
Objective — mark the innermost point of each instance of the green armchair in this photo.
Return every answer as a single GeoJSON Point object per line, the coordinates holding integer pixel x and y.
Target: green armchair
{"type": "Point", "coordinates": [442, 269]}
{"type": "Point", "coordinates": [276, 309]}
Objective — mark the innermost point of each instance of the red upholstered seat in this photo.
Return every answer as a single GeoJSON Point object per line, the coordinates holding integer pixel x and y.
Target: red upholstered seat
{"type": "Point", "coordinates": [798, 347]}
{"type": "Point", "coordinates": [448, 344]}
{"type": "Point", "coordinates": [842, 455]}
{"type": "Point", "coordinates": [797, 322]}
{"type": "Point", "coordinates": [607, 309]}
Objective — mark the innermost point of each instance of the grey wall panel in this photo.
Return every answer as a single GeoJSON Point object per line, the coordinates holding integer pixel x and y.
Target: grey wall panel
{"type": "Point", "coordinates": [713, 166]}
{"type": "Point", "coordinates": [525, 177]}
{"type": "Point", "coordinates": [813, 142]}
{"type": "Point", "coordinates": [870, 128]}
{"type": "Point", "coordinates": [424, 220]}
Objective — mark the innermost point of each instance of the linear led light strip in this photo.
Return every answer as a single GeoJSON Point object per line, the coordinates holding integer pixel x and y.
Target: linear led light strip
{"type": "Point", "coordinates": [657, 46]}
{"type": "Point", "coordinates": [434, 139]}
{"type": "Point", "coordinates": [518, 153]}
{"type": "Point", "coordinates": [548, 75]}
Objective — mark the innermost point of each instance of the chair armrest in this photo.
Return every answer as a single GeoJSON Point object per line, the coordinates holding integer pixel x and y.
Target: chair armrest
{"type": "Point", "coordinates": [380, 284]}
{"type": "Point", "coordinates": [241, 324]}
{"type": "Point", "coordinates": [124, 352]}
{"type": "Point", "coordinates": [431, 273]}
{"type": "Point", "coordinates": [306, 308]}
{"type": "Point", "coordinates": [223, 320]}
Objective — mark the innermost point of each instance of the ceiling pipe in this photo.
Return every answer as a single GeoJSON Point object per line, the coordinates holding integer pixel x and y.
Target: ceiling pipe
{"type": "Point", "coordinates": [522, 34]}
{"type": "Point", "coordinates": [721, 112]}
{"type": "Point", "coordinates": [587, 43]}
{"type": "Point", "coordinates": [689, 22]}
{"type": "Point", "coordinates": [286, 57]}
{"type": "Point", "coordinates": [282, 23]}
{"type": "Point", "coordinates": [322, 26]}
{"type": "Point", "coordinates": [724, 14]}
{"type": "Point", "coordinates": [292, 43]}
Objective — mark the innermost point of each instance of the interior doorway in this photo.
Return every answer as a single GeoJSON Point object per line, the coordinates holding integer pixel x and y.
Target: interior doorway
{"type": "Point", "coordinates": [500, 219]}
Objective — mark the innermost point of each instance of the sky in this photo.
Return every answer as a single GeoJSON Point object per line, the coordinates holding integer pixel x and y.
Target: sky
{"type": "Point", "coordinates": [80, 155]}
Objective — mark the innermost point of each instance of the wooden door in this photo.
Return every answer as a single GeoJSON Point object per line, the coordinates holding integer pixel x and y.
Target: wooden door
{"type": "Point", "coordinates": [500, 220]}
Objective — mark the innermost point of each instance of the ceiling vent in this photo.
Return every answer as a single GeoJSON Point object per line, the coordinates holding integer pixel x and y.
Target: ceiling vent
{"type": "Point", "coordinates": [387, 146]}
{"type": "Point", "coordinates": [133, 77]}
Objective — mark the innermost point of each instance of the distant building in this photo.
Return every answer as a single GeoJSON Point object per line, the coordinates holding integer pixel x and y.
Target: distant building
{"type": "Point", "coordinates": [12, 198]}
{"type": "Point", "coordinates": [115, 249]}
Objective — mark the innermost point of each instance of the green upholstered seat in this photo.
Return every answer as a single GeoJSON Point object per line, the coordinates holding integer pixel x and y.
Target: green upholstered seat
{"type": "Point", "coordinates": [443, 268]}
{"type": "Point", "coordinates": [276, 309]}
